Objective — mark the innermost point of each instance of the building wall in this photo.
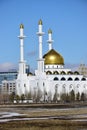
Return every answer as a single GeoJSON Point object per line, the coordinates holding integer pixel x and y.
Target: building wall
{"type": "Point", "coordinates": [50, 84]}
{"type": "Point", "coordinates": [8, 87]}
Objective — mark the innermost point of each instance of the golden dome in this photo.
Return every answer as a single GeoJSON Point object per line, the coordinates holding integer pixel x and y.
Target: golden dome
{"type": "Point", "coordinates": [40, 22]}
{"type": "Point", "coordinates": [53, 58]}
{"type": "Point", "coordinates": [21, 26]}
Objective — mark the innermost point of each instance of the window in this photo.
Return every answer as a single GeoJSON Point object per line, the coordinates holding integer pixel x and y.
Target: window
{"type": "Point", "coordinates": [76, 73]}
{"type": "Point", "coordinates": [43, 84]}
{"type": "Point", "coordinates": [55, 72]}
{"type": "Point", "coordinates": [48, 72]}
{"type": "Point", "coordinates": [10, 89]}
{"type": "Point", "coordinates": [24, 85]}
{"type": "Point", "coordinates": [52, 66]}
{"type": "Point", "coordinates": [83, 79]}
{"type": "Point", "coordinates": [63, 78]}
{"type": "Point", "coordinates": [55, 78]}
{"type": "Point", "coordinates": [76, 79]}
{"type": "Point", "coordinates": [69, 72]}
{"type": "Point", "coordinates": [62, 72]}
{"type": "Point", "coordinates": [69, 79]}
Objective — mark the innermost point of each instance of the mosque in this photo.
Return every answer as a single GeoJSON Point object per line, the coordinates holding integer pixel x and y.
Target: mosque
{"type": "Point", "coordinates": [51, 77]}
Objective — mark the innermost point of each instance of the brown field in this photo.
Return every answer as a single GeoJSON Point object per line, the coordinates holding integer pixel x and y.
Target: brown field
{"type": "Point", "coordinates": [40, 110]}
{"type": "Point", "coordinates": [47, 124]}
{"type": "Point", "coordinates": [42, 124]}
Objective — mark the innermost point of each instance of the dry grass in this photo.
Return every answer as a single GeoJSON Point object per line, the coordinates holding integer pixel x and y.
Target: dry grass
{"type": "Point", "coordinates": [43, 124]}
{"type": "Point", "coordinates": [45, 112]}
{"type": "Point", "coordinates": [39, 124]}
{"type": "Point", "coordinates": [52, 112]}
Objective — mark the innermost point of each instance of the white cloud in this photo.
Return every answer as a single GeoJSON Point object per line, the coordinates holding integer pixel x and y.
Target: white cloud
{"type": "Point", "coordinates": [32, 53]}
{"type": "Point", "coordinates": [7, 66]}
{"type": "Point", "coordinates": [73, 67]}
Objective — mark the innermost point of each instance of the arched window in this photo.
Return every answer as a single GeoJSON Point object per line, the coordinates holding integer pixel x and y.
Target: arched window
{"type": "Point", "coordinates": [55, 72]}
{"type": "Point", "coordinates": [76, 73]}
{"type": "Point", "coordinates": [69, 72]}
{"type": "Point", "coordinates": [83, 79]}
{"type": "Point", "coordinates": [69, 79]}
{"type": "Point", "coordinates": [63, 78]}
{"type": "Point", "coordinates": [56, 78]}
{"type": "Point", "coordinates": [62, 72]}
{"type": "Point", "coordinates": [76, 79]}
{"type": "Point", "coordinates": [48, 72]}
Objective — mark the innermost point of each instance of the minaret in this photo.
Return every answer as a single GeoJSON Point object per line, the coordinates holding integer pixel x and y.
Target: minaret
{"type": "Point", "coordinates": [40, 34]}
{"type": "Point", "coordinates": [50, 41]}
{"type": "Point", "coordinates": [22, 62]}
{"type": "Point", "coordinates": [21, 84]}
{"type": "Point", "coordinates": [40, 60]}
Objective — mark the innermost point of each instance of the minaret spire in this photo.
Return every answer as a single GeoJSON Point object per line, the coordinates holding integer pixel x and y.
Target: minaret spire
{"type": "Point", "coordinates": [21, 37]}
{"type": "Point", "coordinates": [22, 62]}
{"type": "Point", "coordinates": [50, 41]}
{"type": "Point", "coordinates": [40, 60]}
{"type": "Point", "coordinates": [40, 34]}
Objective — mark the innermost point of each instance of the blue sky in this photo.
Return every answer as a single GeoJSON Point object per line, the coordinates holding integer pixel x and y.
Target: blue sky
{"type": "Point", "coordinates": [66, 18]}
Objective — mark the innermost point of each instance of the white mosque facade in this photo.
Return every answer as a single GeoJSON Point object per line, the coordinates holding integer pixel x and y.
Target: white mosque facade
{"type": "Point", "coordinates": [50, 77]}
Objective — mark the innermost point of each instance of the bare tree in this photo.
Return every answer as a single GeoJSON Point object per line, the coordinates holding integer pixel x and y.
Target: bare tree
{"type": "Point", "coordinates": [12, 97]}
{"type": "Point", "coordinates": [22, 98]}
{"type": "Point", "coordinates": [1, 99]}
{"type": "Point", "coordinates": [78, 96]}
{"type": "Point", "coordinates": [29, 95]}
{"type": "Point", "coordinates": [55, 98]}
{"type": "Point", "coordinates": [39, 95]}
{"type": "Point", "coordinates": [49, 96]}
{"type": "Point", "coordinates": [83, 97]}
{"type": "Point", "coordinates": [5, 98]}
{"type": "Point", "coordinates": [65, 97]}
{"type": "Point", "coordinates": [17, 97]}
{"type": "Point", "coordinates": [72, 96]}
{"type": "Point", "coordinates": [34, 95]}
